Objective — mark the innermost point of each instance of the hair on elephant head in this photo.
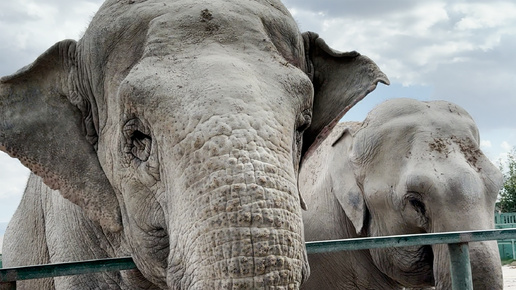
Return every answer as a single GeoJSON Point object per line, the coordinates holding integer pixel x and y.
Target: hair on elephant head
{"type": "Point", "coordinates": [179, 126]}
{"type": "Point", "coordinates": [410, 167]}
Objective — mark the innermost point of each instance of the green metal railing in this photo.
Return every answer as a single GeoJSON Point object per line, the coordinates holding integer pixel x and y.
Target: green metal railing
{"type": "Point", "coordinates": [505, 218]}
{"type": "Point", "coordinates": [9, 276]}
{"type": "Point", "coordinates": [457, 243]}
{"type": "Point", "coordinates": [507, 248]}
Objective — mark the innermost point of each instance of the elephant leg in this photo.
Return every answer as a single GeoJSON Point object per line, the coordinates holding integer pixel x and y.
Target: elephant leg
{"type": "Point", "coordinates": [25, 239]}
{"type": "Point", "coordinates": [70, 235]}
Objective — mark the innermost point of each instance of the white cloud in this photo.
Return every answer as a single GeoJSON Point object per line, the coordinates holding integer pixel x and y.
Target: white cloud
{"type": "Point", "coordinates": [485, 144]}
{"type": "Point", "coordinates": [485, 15]}
{"type": "Point", "coordinates": [503, 155]}
{"type": "Point", "coordinates": [506, 146]}
{"type": "Point", "coordinates": [28, 28]}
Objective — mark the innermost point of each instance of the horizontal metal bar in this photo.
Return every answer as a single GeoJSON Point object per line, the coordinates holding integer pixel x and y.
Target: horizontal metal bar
{"type": "Point", "coordinates": [65, 269]}
{"type": "Point", "coordinates": [409, 240]}
{"type": "Point", "coordinates": [126, 263]}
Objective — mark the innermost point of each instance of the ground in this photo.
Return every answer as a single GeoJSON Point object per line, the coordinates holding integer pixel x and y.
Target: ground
{"type": "Point", "coordinates": [509, 276]}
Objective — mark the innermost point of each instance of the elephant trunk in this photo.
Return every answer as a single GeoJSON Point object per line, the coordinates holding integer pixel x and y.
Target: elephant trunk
{"type": "Point", "coordinates": [242, 256]}
{"type": "Point", "coordinates": [243, 224]}
{"type": "Point", "coordinates": [485, 266]}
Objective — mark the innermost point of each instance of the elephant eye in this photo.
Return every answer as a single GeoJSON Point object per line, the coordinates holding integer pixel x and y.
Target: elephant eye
{"type": "Point", "coordinates": [137, 142]}
{"type": "Point", "coordinates": [418, 205]}
{"type": "Point", "coordinates": [415, 200]}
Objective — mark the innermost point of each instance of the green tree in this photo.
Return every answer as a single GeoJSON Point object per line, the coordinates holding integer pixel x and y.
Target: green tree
{"type": "Point", "coordinates": [507, 201]}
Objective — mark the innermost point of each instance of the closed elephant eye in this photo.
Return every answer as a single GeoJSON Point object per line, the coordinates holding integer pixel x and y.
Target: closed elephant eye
{"type": "Point", "coordinates": [416, 203]}
{"type": "Point", "coordinates": [137, 142]}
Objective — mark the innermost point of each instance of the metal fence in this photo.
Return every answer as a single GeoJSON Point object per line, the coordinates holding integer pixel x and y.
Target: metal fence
{"type": "Point", "coordinates": [505, 219]}
{"type": "Point", "coordinates": [507, 248]}
{"type": "Point", "coordinates": [457, 243]}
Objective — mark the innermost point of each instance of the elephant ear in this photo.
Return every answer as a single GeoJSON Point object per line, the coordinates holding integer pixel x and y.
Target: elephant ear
{"type": "Point", "coordinates": [341, 79]}
{"type": "Point", "coordinates": [344, 182]}
{"type": "Point", "coordinates": [46, 132]}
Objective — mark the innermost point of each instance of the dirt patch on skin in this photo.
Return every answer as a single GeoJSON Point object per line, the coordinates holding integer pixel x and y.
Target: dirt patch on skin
{"type": "Point", "coordinates": [440, 145]}
{"type": "Point", "coordinates": [470, 151]}
{"type": "Point", "coordinates": [467, 147]}
{"type": "Point", "coordinates": [207, 16]}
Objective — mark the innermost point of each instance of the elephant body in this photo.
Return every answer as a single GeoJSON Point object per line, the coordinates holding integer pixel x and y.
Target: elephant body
{"type": "Point", "coordinates": [172, 131]}
{"type": "Point", "coordinates": [45, 229]}
{"type": "Point", "coordinates": [411, 167]}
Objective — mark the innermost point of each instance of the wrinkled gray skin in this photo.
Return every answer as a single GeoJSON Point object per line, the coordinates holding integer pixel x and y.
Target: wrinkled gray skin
{"type": "Point", "coordinates": [175, 128]}
{"type": "Point", "coordinates": [410, 167]}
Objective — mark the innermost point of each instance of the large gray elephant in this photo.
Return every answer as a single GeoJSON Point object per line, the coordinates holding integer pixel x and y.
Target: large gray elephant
{"type": "Point", "coordinates": [175, 128]}
{"type": "Point", "coordinates": [411, 167]}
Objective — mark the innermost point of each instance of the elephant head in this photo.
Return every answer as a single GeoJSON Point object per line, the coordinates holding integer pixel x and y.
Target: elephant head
{"type": "Point", "coordinates": [416, 167]}
{"type": "Point", "coordinates": [179, 126]}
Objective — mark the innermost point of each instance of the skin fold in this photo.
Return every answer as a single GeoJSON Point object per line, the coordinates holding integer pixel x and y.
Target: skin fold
{"type": "Point", "coordinates": [172, 132]}
{"type": "Point", "coordinates": [410, 167]}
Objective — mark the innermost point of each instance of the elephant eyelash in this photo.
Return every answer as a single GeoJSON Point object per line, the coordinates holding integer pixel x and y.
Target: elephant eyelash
{"type": "Point", "coordinates": [418, 205]}
{"type": "Point", "coordinates": [414, 199]}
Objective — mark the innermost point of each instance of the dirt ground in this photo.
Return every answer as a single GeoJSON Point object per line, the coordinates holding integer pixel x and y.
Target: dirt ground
{"type": "Point", "coordinates": [509, 277]}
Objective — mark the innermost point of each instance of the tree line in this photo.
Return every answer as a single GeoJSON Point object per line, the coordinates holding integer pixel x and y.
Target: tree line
{"type": "Point", "coordinates": [507, 196]}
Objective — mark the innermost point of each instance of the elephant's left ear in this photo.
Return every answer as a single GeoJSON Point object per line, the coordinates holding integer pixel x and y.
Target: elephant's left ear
{"type": "Point", "coordinates": [341, 79]}
{"type": "Point", "coordinates": [46, 132]}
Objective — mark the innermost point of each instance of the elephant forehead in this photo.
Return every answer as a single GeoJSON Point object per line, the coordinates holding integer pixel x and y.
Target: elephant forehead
{"type": "Point", "coordinates": [191, 87]}
{"type": "Point", "coordinates": [171, 25]}
{"type": "Point", "coordinates": [415, 122]}
{"type": "Point", "coordinates": [253, 29]}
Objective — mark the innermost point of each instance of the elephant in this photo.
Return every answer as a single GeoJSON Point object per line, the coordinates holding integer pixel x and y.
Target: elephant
{"type": "Point", "coordinates": [410, 167]}
{"type": "Point", "coordinates": [172, 132]}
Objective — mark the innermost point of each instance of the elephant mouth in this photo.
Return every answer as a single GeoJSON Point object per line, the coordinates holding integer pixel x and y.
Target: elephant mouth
{"type": "Point", "coordinates": [410, 266]}
{"type": "Point", "coordinates": [426, 258]}
{"type": "Point", "coordinates": [421, 271]}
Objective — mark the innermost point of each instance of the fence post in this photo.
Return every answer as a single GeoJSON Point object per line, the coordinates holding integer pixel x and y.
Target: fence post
{"type": "Point", "coordinates": [512, 248]}
{"type": "Point", "coordinates": [460, 266]}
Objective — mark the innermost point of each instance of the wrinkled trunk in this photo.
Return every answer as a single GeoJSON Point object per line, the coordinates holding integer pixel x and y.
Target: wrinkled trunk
{"type": "Point", "coordinates": [486, 267]}
{"type": "Point", "coordinates": [243, 224]}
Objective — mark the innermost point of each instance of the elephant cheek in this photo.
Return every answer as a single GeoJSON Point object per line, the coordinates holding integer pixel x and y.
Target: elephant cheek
{"type": "Point", "coordinates": [486, 265]}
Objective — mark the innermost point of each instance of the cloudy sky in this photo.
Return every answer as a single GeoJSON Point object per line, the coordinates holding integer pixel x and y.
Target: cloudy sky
{"type": "Point", "coordinates": [460, 51]}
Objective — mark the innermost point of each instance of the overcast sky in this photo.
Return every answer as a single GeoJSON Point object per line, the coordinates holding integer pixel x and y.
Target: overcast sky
{"type": "Point", "coordinates": [464, 52]}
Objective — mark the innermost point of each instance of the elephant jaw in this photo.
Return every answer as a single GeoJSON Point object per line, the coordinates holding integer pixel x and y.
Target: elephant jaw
{"type": "Point", "coordinates": [408, 266]}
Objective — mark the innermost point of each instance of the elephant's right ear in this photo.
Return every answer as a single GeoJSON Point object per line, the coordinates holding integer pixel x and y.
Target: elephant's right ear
{"type": "Point", "coordinates": [340, 79]}
{"type": "Point", "coordinates": [46, 132]}
{"type": "Point", "coordinates": [344, 182]}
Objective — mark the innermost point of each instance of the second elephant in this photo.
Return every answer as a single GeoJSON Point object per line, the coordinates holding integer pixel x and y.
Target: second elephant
{"type": "Point", "coordinates": [411, 167]}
